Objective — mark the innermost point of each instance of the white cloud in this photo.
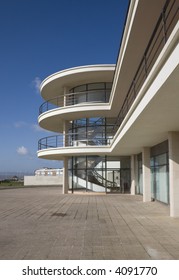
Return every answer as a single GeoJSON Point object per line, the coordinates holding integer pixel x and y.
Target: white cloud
{"type": "Point", "coordinates": [22, 151]}
{"type": "Point", "coordinates": [36, 127]}
{"type": "Point", "coordinates": [20, 124]}
{"type": "Point", "coordinates": [36, 84]}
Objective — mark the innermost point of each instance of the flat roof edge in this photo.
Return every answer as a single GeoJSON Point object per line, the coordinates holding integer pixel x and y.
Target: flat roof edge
{"type": "Point", "coordinates": [76, 70]}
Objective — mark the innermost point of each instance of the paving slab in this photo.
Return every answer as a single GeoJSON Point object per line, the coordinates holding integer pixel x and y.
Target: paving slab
{"type": "Point", "coordinates": [42, 223]}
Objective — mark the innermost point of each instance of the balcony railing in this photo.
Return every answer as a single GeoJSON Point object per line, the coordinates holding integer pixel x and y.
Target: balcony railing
{"type": "Point", "coordinates": [59, 141]}
{"type": "Point", "coordinates": [69, 99]}
{"type": "Point", "coordinates": [165, 24]}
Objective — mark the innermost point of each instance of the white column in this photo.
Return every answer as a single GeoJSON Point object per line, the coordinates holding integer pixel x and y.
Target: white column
{"type": "Point", "coordinates": [173, 138]}
{"type": "Point", "coordinates": [146, 174]}
{"type": "Point", "coordinates": [65, 132]}
{"type": "Point", "coordinates": [65, 161]}
{"type": "Point", "coordinates": [133, 177]}
{"type": "Point", "coordinates": [66, 91]}
{"type": "Point", "coordinates": [65, 176]}
{"type": "Point", "coordinates": [136, 175]}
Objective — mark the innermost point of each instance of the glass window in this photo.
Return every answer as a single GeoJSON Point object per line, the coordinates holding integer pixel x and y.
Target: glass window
{"type": "Point", "coordinates": [161, 181]}
{"type": "Point", "coordinates": [94, 92]}
{"type": "Point", "coordinates": [140, 181]}
{"type": "Point", "coordinates": [107, 95]}
{"type": "Point", "coordinates": [108, 85]}
{"type": "Point", "coordinates": [125, 162]}
{"type": "Point", "coordinates": [112, 164]}
{"type": "Point", "coordinates": [160, 178]}
{"type": "Point", "coordinates": [96, 86]}
{"type": "Point", "coordinates": [140, 175]}
{"type": "Point", "coordinates": [80, 88]}
{"type": "Point", "coordinates": [97, 174]}
{"type": "Point", "coordinates": [96, 96]}
{"type": "Point", "coordinates": [152, 174]}
{"type": "Point", "coordinates": [161, 159]}
{"type": "Point", "coordinates": [152, 161]}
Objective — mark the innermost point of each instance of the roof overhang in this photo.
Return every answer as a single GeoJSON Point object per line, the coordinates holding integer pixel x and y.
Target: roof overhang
{"type": "Point", "coordinates": [140, 23]}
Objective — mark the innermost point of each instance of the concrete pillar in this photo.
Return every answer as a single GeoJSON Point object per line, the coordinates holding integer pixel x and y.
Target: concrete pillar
{"type": "Point", "coordinates": [65, 176]}
{"type": "Point", "coordinates": [136, 175]}
{"type": "Point", "coordinates": [65, 161]}
{"type": "Point", "coordinates": [146, 174]}
{"type": "Point", "coordinates": [133, 177]}
{"type": "Point", "coordinates": [173, 138]}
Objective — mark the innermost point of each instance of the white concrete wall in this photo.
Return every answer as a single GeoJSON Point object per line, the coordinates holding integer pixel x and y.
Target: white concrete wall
{"type": "Point", "coordinates": [82, 184]}
{"type": "Point", "coordinates": [43, 180]}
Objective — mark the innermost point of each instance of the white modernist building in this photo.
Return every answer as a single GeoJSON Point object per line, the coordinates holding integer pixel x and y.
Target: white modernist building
{"type": "Point", "coordinates": [117, 126]}
{"type": "Point", "coordinates": [49, 172]}
{"type": "Point", "coordinates": [45, 177]}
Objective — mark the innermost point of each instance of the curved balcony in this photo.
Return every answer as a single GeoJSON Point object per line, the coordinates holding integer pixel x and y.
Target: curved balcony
{"type": "Point", "coordinates": [75, 99]}
{"type": "Point", "coordinates": [73, 77]}
{"type": "Point", "coordinates": [60, 141]}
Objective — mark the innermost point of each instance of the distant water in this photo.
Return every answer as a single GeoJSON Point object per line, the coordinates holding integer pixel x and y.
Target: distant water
{"type": "Point", "coordinates": [9, 175]}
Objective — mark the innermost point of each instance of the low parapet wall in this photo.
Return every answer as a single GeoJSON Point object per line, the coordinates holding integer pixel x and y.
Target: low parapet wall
{"type": "Point", "coordinates": [43, 180]}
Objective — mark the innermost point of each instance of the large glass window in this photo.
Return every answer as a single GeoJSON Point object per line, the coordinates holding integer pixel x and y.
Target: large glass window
{"type": "Point", "coordinates": [94, 92]}
{"type": "Point", "coordinates": [103, 174]}
{"type": "Point", "coordinates": [160, 177]}
{"type": "Point", "coordinates": [92, 131]}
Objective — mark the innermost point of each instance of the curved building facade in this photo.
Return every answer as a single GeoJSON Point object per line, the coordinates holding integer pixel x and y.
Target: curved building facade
{"type": "Point", "coordinates": [90, 126]}
{"type": "Point", "coordinates": [116, 127]}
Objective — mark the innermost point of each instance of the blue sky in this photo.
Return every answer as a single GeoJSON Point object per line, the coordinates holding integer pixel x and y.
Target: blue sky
{"type": "Point", "coordinates": [38, 38]}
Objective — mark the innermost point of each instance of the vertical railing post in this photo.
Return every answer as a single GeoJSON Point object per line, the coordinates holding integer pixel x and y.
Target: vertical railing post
{"type": "Point", "coordinates": [164, 26]}
{"type": "Point", "coordinates": [127, 104]}
{"type": "Point", "coordinates": [134, 89]}
{"type": "Point", "coordinates": [105, 158]}
{"type": "Point", "coordinates": [145, 65]}
{"type": "Point", "coordinates": [65, 135]}
{"type": "Point", "coordinates": [105, 130]}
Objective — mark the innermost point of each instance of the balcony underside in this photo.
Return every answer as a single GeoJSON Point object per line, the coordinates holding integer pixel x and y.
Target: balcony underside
{"type": "Point", "coordinates": [61, 152]}
{"type": "Point", "coordinates": [53, 119]}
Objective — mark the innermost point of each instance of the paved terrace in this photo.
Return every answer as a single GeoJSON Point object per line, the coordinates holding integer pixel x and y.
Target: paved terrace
{"type": "Point", "coordinates": [41, 223]}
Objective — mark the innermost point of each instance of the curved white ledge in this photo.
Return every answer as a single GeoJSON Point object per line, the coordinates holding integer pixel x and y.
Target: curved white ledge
{"type": "Point", "coordinates": [53, 119]}
{"type": "Point", "coordinates": [72, 77]}
{"type": "Point", "coordinates": [60, 153]}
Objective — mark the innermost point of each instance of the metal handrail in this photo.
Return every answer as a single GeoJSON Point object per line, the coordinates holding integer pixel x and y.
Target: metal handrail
{"type": "Point", "coordinates": [90, 96]}
{"type": "Point", "coordinates": [102, 180]}
{"type": "Point", "coordinates": [57, 141]}
{"type": "Point", "coordinates": [165, 24]}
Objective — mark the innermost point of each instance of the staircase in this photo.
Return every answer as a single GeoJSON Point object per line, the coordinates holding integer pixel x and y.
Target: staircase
{"type": "Point", "coordinates": [93, 181]}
